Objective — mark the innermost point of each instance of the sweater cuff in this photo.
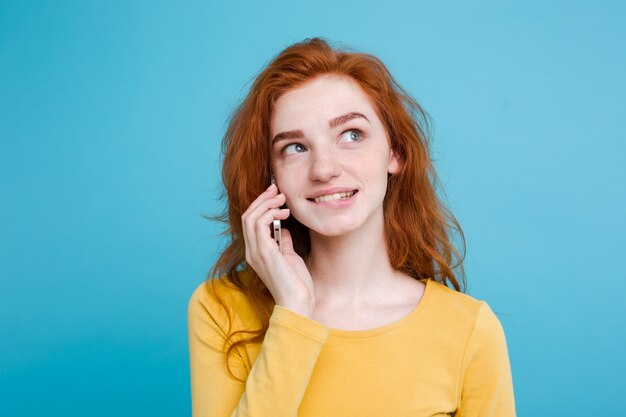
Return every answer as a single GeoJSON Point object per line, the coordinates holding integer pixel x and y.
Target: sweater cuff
{"type": "Point", "coordinates": [300, 323]}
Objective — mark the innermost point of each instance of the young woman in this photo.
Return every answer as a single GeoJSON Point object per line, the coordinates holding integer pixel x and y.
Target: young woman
{"type": "Point", "coordinates": [361, 312]}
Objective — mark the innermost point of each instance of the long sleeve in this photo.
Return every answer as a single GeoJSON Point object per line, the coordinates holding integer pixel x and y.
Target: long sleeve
{"type": "Point", "coordinates": [278, 378]}
{"type": "Point", "coordinates": [486, 384]}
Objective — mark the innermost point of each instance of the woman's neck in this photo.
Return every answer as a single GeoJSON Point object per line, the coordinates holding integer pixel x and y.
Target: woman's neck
{"type": "Point", "coordinates": [352, 269]}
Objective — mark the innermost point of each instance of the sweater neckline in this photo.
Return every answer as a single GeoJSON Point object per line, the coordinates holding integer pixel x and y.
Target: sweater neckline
{"type": "Point", "coordinates": [341, 333]}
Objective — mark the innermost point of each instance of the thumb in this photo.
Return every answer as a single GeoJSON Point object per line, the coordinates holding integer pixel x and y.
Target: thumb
{"type": "Point", "coordinates": [287, 242]}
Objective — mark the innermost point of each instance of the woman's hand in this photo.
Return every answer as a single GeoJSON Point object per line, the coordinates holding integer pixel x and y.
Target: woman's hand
{"type": "Point", "coordinates": [285, 274]}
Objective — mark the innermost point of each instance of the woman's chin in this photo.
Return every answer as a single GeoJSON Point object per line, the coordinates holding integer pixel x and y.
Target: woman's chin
{"type": "Point", "coordinates": [330, 233]}
{"type": "Point", "coordinates": [336, 229]}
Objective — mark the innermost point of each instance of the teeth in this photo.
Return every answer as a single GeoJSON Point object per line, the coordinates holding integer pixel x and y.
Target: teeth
{"type": "Point", "coordinates": [337, 196]}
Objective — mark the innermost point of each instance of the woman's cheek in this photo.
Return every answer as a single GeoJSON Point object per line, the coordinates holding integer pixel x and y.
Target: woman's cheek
{"type": "Point", "coordinates": [294, 210]}
{"type": "Point", "coordinates": [287, 201]}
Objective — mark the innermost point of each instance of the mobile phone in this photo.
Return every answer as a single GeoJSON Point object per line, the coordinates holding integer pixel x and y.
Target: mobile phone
{"type": "Point", "coordinates": [276, 226]}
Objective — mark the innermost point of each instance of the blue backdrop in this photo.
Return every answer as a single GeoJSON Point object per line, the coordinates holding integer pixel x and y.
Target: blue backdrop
{"type": "Point", "coordinates": [111, 115]}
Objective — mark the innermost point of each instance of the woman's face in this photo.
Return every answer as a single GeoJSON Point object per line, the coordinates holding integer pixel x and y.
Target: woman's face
{"type": "Point", "coordinates": [331, 155]}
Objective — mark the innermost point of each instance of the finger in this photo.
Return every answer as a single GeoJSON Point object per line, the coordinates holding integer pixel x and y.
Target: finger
{"type": "Point", "coordinates": [263, 229]}
{"type": "Point", "coordinates": [255, 233]}
{"type": "Point", "coordinates": [287, 242]}
{"type": "Point", "coordinates": [265, 221]}
{"type": "Point", "coordinates": [269, 193]}
{"type": "Point", "coordinates": [253, 213]}
{"type": "Point", "coordinates": [251, 216]}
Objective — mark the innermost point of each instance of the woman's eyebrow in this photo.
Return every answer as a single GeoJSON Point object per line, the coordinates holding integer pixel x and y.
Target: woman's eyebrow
{"type": "Point", "coordinates": [333, 123]}
{"type": "Point", "coordinates": [338, 121]}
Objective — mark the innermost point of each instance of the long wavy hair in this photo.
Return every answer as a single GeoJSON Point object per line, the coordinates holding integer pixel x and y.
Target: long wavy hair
{"type": "Point", "coordinates": [420, 231]}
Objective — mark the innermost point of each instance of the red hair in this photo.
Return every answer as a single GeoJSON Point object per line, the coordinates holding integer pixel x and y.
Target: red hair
{"type": "Point", "coordinates": [418, 227]}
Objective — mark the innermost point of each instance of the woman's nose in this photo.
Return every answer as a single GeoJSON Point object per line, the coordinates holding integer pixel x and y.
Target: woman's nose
{"type": "Point", "coordinates": [324, 166]}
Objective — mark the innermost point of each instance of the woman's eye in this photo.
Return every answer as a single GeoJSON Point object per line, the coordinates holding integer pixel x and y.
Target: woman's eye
{"type": "Point", "coordinates": [293, 148]}
{"type": "Point", "coordinates": [352, 135]}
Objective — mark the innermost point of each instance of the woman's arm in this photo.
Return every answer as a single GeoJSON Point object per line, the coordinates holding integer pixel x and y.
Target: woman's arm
{"type": "Point", "coordinates": [279, 377]}
{"type": "Point", "coordinates": [486, 383]}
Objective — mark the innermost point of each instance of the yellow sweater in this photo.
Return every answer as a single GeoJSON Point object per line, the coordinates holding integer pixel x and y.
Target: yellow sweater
{"type": "Point", "coordinates": [447, 357]}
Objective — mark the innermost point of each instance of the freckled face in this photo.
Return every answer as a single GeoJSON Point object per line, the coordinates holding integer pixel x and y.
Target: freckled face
{"type": "Point", "coordinates": [331, 155]}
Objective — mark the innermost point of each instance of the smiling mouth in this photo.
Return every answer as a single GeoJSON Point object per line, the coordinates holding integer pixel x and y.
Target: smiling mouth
{"type": "Point", "coordinates": [333, 197]}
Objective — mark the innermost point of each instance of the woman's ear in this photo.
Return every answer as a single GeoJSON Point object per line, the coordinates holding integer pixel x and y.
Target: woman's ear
{"type": "Point", "coordinates": [394, 165]}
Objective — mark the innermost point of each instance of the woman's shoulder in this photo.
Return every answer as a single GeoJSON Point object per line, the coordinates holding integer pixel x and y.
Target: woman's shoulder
{"type": "Point", "coordinates": [221, 300]}
{"type": "Point", "coordinates": [465, 309]}
{"type": "Point", "coordinates": [213, 289]}
{"type": "Point", "coordinates": [453, 296]}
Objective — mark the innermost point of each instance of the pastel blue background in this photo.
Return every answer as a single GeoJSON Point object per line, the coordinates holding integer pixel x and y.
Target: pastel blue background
{"type": "Point", "coordinates": [111, 115]}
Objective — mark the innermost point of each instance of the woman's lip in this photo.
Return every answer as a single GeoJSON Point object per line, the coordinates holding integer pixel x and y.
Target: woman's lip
{"type": "Point", "coordinates": [329, 191]}
{"type": "Point", "coordinates": [338, 202]}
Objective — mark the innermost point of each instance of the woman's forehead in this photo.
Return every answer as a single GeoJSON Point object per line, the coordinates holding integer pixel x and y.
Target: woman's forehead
{"type": "Point", "coordinates": [318, 101]}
